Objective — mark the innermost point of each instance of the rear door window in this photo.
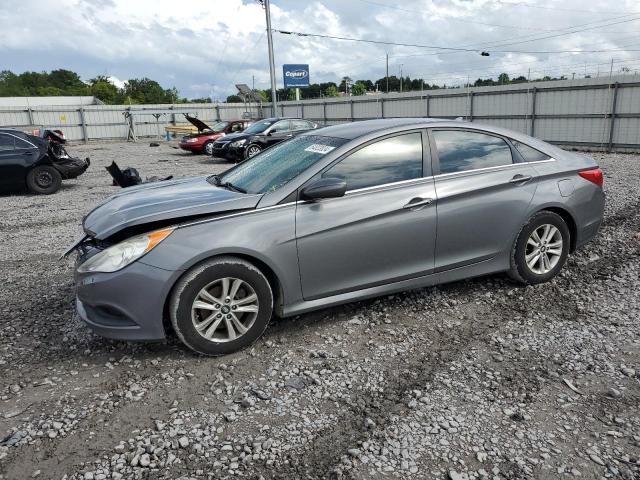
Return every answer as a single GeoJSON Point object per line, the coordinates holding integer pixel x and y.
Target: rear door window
{"type": "Point", "coordinates": [23, 143]}
{"type": "Point", "coordinates": [7, 142]}
{"type": "Point", "coordinates": [390, 160]}
{"type": "Point", "coordinates": [300, 125]}
{"type": "Point", "coordinates": [281, 126]}
{"type": "Point", "coordinates": [462, 150]}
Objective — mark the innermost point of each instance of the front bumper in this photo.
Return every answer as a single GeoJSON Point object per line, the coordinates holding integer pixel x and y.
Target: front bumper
{"type": "Point", "coordinates": [125, 305]}
{"type": "Point", "coordinates": [225, 150]}
{"type": "Point", "coordinates": [191, 147]}
{"type": "Point", "coordinates": [71, 167]}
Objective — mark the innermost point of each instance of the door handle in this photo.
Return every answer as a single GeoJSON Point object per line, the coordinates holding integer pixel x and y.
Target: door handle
{"type": "Point", "coordinates": [417, 202]}
{"type": "Point", "coordinates": [520, 178]}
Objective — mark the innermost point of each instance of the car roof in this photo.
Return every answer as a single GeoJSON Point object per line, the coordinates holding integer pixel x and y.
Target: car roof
{"type": "Point", "coordinates": [273, 119]}
{"type": "Point", "coordinates": [12, 131]}
{"type": "Point", "coordinates": [360, 128]}
{"type": "Point", "coordinates": [353, 130]}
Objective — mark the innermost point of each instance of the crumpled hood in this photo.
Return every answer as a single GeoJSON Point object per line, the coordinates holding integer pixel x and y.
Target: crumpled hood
{"type": "Point", "coordinates": [173, 199]}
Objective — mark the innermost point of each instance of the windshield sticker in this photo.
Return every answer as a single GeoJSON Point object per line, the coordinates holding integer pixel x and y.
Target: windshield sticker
{"type": "Point", "coordinates": [318, 148]}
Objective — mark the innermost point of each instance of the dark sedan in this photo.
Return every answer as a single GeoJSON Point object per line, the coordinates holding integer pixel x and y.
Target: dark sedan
{"type": "Point", "coordinates": [262, 134]}
{"type": "Point", "coordinates": [39, 164]}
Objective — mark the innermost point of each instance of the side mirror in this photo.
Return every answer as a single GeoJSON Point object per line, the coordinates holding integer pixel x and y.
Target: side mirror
{"type": "Point", "coordinates": [324, 188]}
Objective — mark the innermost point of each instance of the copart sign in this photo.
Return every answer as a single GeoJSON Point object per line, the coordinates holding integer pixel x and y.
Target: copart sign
{"type": "Point", "coordinates": [296, 76]}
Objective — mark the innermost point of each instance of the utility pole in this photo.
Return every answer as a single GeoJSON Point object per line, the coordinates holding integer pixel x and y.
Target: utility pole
{"type": "Point", "coordinates": [401, 77]}
{"type": "Point", "coordinates": [387, 76]}
{"type": "Point", "coordinates": [611, 69]}
{"type": "Point", "coordinates": [272, 68]}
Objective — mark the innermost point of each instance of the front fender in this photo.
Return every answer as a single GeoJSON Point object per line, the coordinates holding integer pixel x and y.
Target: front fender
{"type": "Point", "coordinates": [266, 235]}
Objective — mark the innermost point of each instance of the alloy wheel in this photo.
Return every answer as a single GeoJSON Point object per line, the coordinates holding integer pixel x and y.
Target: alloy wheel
{"type": "Point", "coordinates": [253, 150]}
{"type": "Point", "coordinates": [544, 249]}
{"type": "Point", "coordinates": [225, 310]}
{"type": "Point", "coordinates": [208, 148]}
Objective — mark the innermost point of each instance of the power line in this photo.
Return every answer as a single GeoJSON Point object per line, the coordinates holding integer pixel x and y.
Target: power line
{"type": "Point", "coordinates": [535, 5]}
{"type": "Point", "coordinates": [527, 38]}
{"type": "Point", "coordinates": [510, 27]}
{"type": "Point", "coordinates": [567, 33]}
{"type": "Point", "coordinates": [493, 42]}
{"type": "Point", "coordinates": [455, 49]}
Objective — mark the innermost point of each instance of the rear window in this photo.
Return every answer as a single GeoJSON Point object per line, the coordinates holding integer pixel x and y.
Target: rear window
{"type": "Point", "coordinates": [530, 154]}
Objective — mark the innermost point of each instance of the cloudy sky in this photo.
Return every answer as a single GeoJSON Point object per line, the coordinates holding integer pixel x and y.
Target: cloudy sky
{"type": "Point", "coordinates": [204, 47]}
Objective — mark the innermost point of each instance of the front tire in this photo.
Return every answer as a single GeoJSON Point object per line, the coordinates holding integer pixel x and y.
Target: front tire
{"type": "Point", "coordinates": [221, 306]}
{"type": "Point", "coordinates": [207, 148]}
{"type": "Point", "coordinates": [252, 151]}
{"type": "Point", "coordinates": [541, 249]}
{"type": "Point", "coordinates": [44, 179]}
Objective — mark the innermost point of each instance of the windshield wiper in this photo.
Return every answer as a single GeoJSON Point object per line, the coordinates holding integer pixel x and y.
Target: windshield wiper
{"type": "Point", "coordinates": [233, 187]}
{"type": "Point", "coordinates": [228, 185]}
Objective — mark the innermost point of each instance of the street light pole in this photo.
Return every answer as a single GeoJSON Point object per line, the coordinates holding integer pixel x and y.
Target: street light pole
{"type": "Point", "coordinates": [272, 68]}
{"type": "Point", "coordinates": [387, 76]}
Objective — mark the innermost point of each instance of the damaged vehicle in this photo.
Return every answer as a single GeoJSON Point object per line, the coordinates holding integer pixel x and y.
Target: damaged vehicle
{"type": "Point", "coordinates": [202, 142]}
{"type": "Point", "coordinates": [38, 164]}
{"type": "Point", "coordinates": [333, 215]}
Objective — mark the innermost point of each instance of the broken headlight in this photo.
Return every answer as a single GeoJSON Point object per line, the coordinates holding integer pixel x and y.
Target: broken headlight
{"type": "Point", "coordinates": [122, 254]}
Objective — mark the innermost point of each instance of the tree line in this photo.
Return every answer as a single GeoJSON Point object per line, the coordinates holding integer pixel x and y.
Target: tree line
{"type": "Point", "coordinates": [147, 91]}
{"type": "Point", "coordinates": [66, 82]}
{"type": "Point", "coordinates": [392, 84]}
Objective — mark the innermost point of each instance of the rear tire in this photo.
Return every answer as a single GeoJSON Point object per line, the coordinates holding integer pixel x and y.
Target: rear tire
{"type": "Point", "coordinates": [541, 249]}
{"type": "Point", "coordinates": [44, 179]}
{"type": "Point", "coordinates": [221, 306]}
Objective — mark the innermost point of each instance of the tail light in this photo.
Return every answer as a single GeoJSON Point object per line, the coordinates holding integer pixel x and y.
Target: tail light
{"type": "Point", "coordinates": [594, 176]}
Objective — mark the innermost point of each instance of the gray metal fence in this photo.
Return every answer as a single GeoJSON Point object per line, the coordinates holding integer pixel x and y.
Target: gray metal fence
{"type": "Point", "coordinates": [599, 113]}
{"type": "Point", "coordinates": [98, 122]}
{"type": "Point", "coordinates": [593, 114]}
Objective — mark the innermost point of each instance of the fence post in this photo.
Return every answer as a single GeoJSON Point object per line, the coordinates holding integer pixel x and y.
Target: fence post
{"type": "Point", "coordinates": [351, 110]}
{"type": "Point", "coordinates": [281, 110]}
{"type": "Point", "coordinates": [301, 110]}
{"type": "Point", "coordinates": [218, 118]}
{"type": "Point", "coordinates": [427, 104]}
{"type": "Point", "coordinates": [382, 108]}
{"type": "Point", "coordinates": [613, 116]}
{"type": "Point", "coordinates": [532, 126]}
{"type": "Point", "coordinates": [173, 116]}
{"type": "Point", "coordinates": [471, 106]}
{"type": "Point", "coordinates": [30, 112]}
{"type": "Point", "coordinates": [84, 125]}
{"type": "Point", "coordinates": [324, 111]}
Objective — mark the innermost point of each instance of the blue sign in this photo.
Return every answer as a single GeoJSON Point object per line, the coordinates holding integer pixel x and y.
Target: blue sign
{"type": "Point", "coordinates": [296, 76]}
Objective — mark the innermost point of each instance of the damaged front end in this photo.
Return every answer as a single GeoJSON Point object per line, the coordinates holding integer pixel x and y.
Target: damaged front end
{"type": "Point", "coordinates": [68, 166]}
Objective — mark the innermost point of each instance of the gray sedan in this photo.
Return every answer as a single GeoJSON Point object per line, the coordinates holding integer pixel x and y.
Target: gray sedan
{"type": "Point", "coordinates": [338, 214]}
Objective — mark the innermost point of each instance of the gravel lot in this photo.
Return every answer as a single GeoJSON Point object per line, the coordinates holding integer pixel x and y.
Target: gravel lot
{"type": "Point", "coordinates": [476, 379]}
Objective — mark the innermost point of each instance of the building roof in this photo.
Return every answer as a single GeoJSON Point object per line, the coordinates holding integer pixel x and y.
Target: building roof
{"type": "Point", "coordinates": [31, 102]}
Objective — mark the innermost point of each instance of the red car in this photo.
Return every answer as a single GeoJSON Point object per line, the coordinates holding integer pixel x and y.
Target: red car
{"type": "Point", "coordinates": [202, 142]}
